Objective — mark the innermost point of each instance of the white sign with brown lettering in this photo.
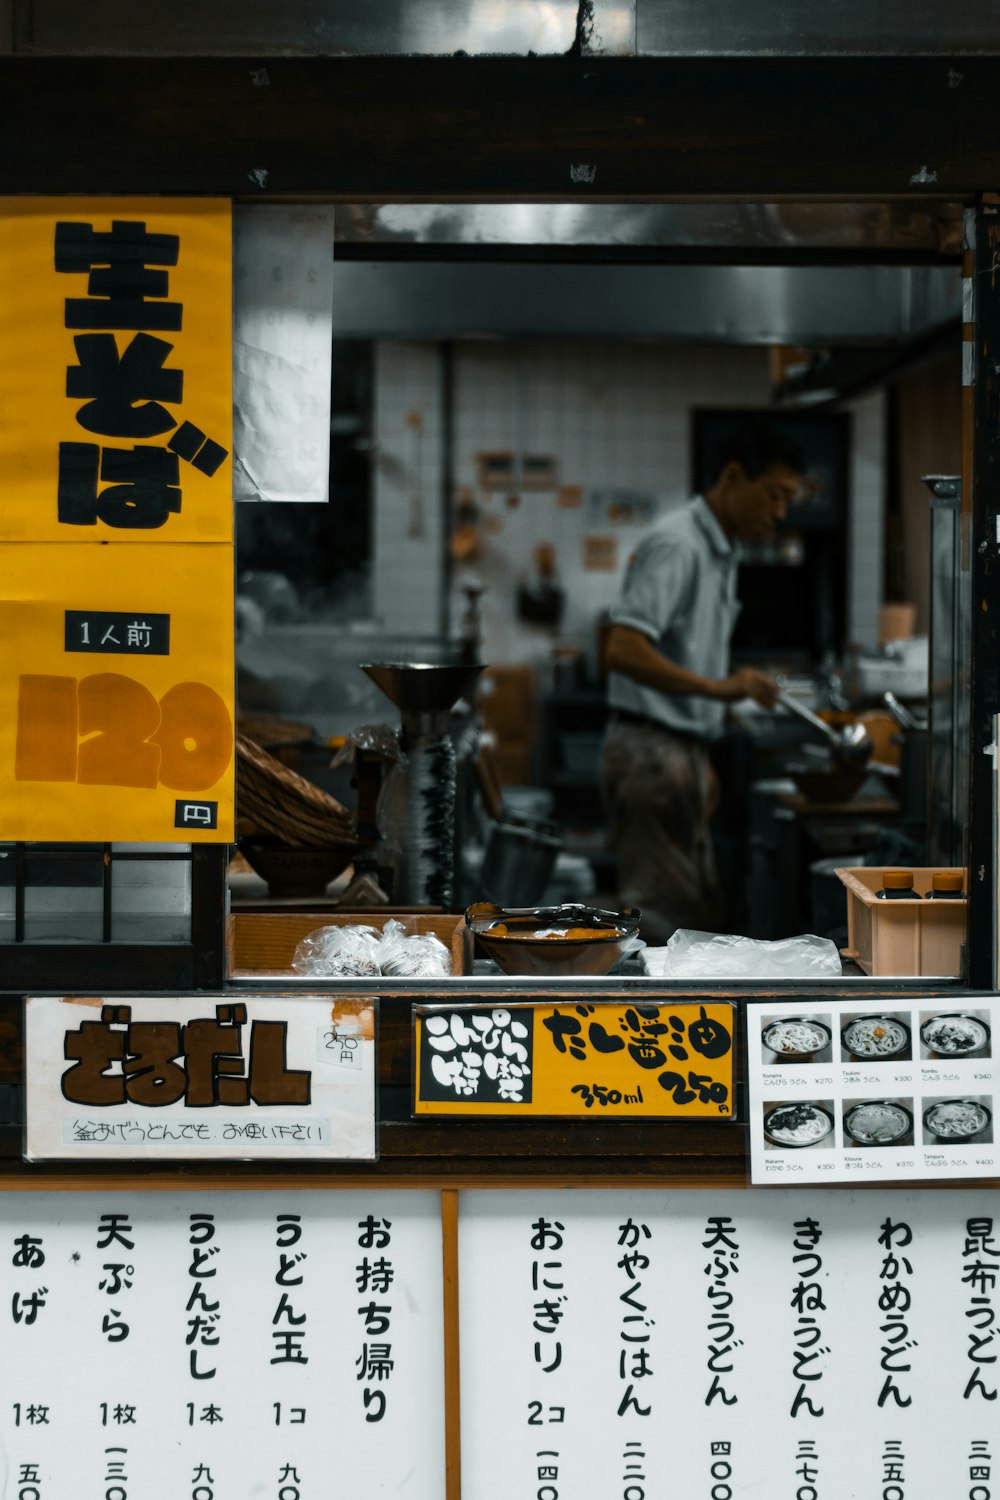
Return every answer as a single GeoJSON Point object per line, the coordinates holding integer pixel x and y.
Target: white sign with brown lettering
{"type": "Point", "coordinates": [251, 1077]}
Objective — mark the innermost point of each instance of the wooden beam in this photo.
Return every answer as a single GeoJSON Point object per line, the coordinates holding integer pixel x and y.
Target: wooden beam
{"type": "Point", "coordinates": [564, 128]}
{"type": "Point", "coordinates": [452, 1366]}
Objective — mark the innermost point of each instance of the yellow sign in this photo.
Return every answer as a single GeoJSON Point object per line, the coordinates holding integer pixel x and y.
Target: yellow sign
{"type": "Point", "coordinates": [116, 372]}
{"type": "Point", "coordinates": [116, 521]}
{"type": "Point", "coordinates": [600, 1059]}
{"type": "Point", "coordinates": [115, 704]}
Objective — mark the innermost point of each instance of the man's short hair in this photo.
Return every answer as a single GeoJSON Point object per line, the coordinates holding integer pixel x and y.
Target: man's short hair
{"type": "Point", "coordinates": [757, 445]}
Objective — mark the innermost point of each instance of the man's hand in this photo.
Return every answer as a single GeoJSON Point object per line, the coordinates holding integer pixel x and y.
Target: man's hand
{"type": "Point", "coordinates": [748, 683]}
{"type": "Point", "coordinates": [633, 654]}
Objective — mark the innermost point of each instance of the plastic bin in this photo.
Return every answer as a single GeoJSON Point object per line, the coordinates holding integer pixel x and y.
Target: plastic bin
{"type": "Point", "coordinates": [902, 937]}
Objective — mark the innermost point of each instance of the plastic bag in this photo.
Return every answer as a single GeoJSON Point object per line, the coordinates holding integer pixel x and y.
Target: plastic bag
{"type": "Point", "coordinates": [352, 952]}
{"type": "Point", "coordinates": [381, 742]}
{"type": "Point", "coordinates": [417, 956]}
{"type": "Point", "coordinates": [338, 952]}
{"type": "Point", "coordinates": [724, 955]}
{"type": "Point", "coordinates": [375, 739]}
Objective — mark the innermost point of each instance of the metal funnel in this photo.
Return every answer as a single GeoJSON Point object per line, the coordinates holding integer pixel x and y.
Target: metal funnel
{"type": "Point", "coordinates": [418, 687]}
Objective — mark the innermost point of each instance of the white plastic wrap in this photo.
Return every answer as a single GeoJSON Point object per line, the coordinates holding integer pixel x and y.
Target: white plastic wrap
{"type": "Point", "coordinates": [338, 952]}
{"type": "Point", "coordinates": [360, 952]}
{"type": "Point", "coordinates": [724, 955]}
{"type": "Point", "coordinates": [420, 956]}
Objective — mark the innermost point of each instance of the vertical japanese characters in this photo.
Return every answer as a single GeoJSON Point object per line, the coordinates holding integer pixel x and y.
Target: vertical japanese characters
{"type": "Point", "coordinates": [549, 1292]}
{"type": "Point", "coordinates": [114, 1231]}
{"type": "Point", "coordinates": [723, 1247]}
{"type": "Point", "coordinates": [203, 1305]}
{"type": "Point", "coordinates": [894, 1302]}
{"type": "Point", "coordinates": [375, 1274]}
{"type": "Point", "coordinates": [807, 1334]}
{"type": "Point", "coordinates": [980, 1470]}
{"type": "Point", "coordinates": [28, 1256]}
{"type": "Point", "coordinates": [634, 1359]}
{"type": "Point", "coordinates": [893, 1470]}
{"type": "Point", "coordinates": [981, 1262]}
{"type": "Point", "coordinates": [126, 391]}
{"type": "Point", "coordinates": [288, 1327]}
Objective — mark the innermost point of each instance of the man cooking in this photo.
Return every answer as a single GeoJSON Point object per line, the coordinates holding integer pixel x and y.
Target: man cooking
{"type": "Point", "coordinates": [670, 680]}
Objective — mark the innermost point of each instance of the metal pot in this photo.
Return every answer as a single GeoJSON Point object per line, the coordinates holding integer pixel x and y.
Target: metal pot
{"type": "Point", "coordinates": [520, 857]}
{"type": "Point", "coordinates": [850, 747]}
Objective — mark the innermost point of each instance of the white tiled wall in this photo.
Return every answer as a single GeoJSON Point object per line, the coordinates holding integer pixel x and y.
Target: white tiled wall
{"type": "Point", "coordinates": [410, 543]}
{"type": "Point", "coordinates": [614, 417]}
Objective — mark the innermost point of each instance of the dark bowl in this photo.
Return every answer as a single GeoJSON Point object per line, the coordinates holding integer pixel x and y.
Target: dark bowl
{"type": "Point", "coordinates": [955, 1015]}
{"type": "Point", "coordinates": [836, 784]}
{"type": "Point", "coordinates": [521, 951]}
{"type": "Point", "coordinates": [887, 1104]}
{"type": "Point", "coordinates": [296, 872]}
{"type": "Point", "coordinates": [797, 1145]}
{"type": "Point", "coordinates": [806, 1021]}
{"type": "Point", "coordinates": [950, 1139]}
{"type": "Point", "coordinates": [876, 1056]}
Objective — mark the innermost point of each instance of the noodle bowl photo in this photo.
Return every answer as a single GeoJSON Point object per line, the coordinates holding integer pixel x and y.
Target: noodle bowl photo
{"type": "Point", "coordinates": [954, 1120]}
{"type": "Point", "coordinates": [798, 1125]}
{"type": "Point", "coordinates": [955, 1035]}
{"type": "Point", "coordinates": [874, 1037]}
{"type": "Point", "coordinates": [796, 1038]}
{"type": "Point", "coordinates": [877, 1122]}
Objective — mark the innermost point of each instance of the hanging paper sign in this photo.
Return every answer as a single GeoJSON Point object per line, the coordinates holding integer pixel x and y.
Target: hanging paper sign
{"type": "Point", "coordinates": [116, 515]}
{"type": "Point", "coordinates": [256, 1077]}
{"type": "Point", "coordinates": [116, 413]}
{"type": "Point", "coordinates": [597, 1059]}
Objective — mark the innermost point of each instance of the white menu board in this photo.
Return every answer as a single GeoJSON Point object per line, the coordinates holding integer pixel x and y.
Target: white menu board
{"type": "Point", "coordinates": [879, 1090]}
{"type": "Point", "coordinates": [268, 1077]}
{"type": "Point", "coordinates": [221, 1345]}
{"type": "Point", "coordinates": [722, 1344]}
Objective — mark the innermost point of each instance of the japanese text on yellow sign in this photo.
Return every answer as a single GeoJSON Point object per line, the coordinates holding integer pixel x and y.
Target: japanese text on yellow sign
{"type": "Point", "coordinates": [116, 375]}
{"type": "Point", "coordinates": [597, 1059]}
{"type": "Point", "coordinates": [116, 520]}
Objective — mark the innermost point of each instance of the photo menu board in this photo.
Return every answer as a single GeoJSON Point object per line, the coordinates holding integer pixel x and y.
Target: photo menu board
{"type": "Point", "coordinates": [880, 1090]}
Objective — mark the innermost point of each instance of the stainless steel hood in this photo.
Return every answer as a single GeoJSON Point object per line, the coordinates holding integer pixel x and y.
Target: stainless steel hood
{"type": "Point", "coordinates": [809, 305]}
{"type": "Point", "coordinates": [326, 28]}
{"type": "Point", "coordinates": [782, 28]}
{"type": "Point", "coordinates": [903, 227]}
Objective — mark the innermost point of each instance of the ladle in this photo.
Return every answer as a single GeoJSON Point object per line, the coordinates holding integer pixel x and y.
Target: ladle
{"type": "Point", "coordinates": [850, 746]}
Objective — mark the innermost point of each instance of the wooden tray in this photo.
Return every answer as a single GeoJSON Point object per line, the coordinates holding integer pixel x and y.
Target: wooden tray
{"type": "Point", "coordinates": [265, 942]}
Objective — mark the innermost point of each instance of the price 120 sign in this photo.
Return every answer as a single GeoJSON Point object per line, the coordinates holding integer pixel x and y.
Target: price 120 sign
{"type": "Point", "coordinates": [116, 520]}
{"type": "Point", "coordinates": [109, 730]}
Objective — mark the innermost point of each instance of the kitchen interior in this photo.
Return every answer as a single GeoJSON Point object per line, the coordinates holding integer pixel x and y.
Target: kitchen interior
{"type": "Point", "coordinates": [518, 393]}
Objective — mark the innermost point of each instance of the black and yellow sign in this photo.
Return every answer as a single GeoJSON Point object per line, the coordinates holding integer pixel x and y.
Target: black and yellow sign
{"type": "Point", "coordinates": [598, 1059]}
{"type": "Point", "coordinates": [116, 521]}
